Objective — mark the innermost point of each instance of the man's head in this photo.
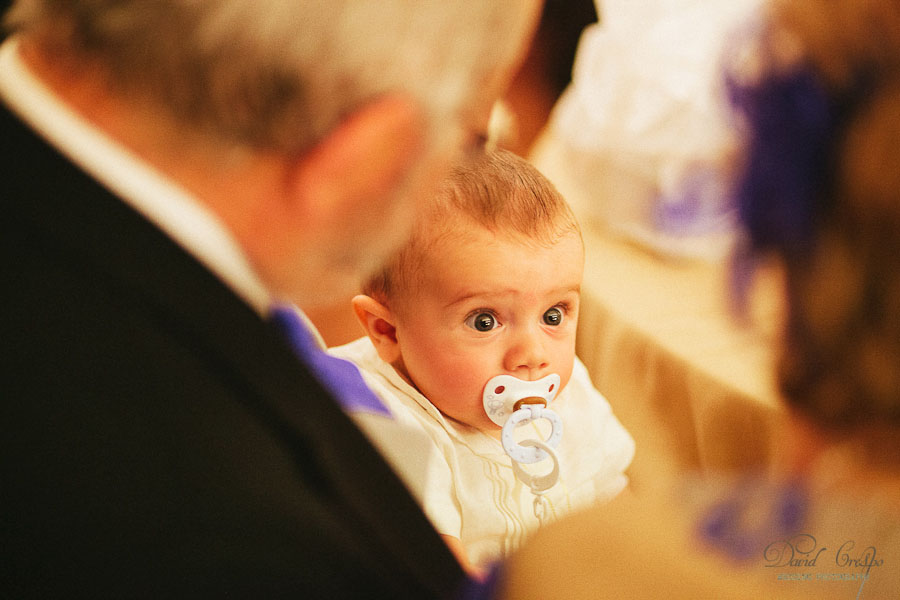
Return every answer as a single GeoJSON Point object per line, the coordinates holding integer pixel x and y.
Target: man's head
{"type": "Point", "coordinates": [489, 284]}
{"type": "Point", "coordinates": [340, 111]}
{"type": "Point", "coordinates": [277, 74]}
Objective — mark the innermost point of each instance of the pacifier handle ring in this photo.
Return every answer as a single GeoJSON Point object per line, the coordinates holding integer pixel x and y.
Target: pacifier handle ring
{"type": "Point", "coordinates": [534, 453]}
{"type": "Point", "coordinates": [538, 483]}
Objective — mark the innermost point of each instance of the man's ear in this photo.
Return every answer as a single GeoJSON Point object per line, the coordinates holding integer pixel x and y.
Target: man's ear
{"type": "Point", "coordinates": [367, 156]}
{"type": "Point", "coordinates": [380, 325]}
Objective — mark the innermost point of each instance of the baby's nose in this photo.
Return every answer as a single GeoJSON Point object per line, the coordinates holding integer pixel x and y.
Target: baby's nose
{"type": "Point", "coordinates": [527, 356]}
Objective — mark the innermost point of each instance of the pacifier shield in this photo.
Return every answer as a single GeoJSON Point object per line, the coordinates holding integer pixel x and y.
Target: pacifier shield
{"type": "Point", "coordinates": [503, 391]}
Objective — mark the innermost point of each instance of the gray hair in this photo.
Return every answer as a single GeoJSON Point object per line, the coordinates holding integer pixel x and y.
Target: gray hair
{"type": "Point", "coordinates": [281, 73]}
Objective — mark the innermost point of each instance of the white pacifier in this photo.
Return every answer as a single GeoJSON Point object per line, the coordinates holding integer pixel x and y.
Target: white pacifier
{"type": "Point", "coordinates": [511, 402]}
{"type": "Point", "coordinates": [503, 392]}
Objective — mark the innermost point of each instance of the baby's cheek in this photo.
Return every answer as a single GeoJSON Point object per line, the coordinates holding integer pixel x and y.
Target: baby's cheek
{"type": "Point", "coordinates": [465, 385]}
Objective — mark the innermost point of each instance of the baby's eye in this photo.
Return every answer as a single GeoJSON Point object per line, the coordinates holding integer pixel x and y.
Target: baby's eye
{"type": "Point", "coordinates": [553, 316]}
{"type": "Point", "coordinates": [482, 321]}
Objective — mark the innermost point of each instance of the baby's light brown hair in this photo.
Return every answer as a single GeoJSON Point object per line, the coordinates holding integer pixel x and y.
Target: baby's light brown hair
{"type": "Point", "coordinates": [494, 190]}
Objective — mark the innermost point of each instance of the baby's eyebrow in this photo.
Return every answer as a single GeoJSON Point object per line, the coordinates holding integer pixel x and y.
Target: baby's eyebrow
{"type": "Point", "coordinates": [566, 289]}
{"type": "Point", "coordinates": [488, 295]}
{"type": "Point", "coordinates": [495, 295]}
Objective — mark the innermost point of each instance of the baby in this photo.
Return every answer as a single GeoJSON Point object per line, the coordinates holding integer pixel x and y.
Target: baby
{"type": "Point", "coordinates": [489, 284]}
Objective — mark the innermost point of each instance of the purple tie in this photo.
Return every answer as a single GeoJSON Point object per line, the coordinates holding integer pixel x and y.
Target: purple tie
{"type": "Point", "coordinates": [340, 377]}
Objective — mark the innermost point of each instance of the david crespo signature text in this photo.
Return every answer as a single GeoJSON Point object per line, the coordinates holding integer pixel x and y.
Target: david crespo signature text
{"type": "Point", "coordinates": [803, 551]}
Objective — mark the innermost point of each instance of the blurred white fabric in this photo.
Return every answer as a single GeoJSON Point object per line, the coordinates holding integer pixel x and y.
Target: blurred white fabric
{"type": "Point", "coordinates": [639, 139]}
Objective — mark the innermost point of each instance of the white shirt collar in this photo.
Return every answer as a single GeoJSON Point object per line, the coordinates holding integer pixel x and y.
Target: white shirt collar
{"type": "Point", "coordinates": [187, 221]}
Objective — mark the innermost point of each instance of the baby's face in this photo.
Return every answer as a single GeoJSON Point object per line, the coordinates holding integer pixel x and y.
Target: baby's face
{"type": "Point", "coordinates": [489, 306]}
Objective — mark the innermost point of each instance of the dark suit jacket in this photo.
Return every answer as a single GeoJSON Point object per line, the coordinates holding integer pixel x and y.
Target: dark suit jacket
{"type": "Point", "coordinates": [159, 438]}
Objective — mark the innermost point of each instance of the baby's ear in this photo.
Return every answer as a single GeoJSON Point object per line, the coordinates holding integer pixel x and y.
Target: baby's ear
{"type": "Point", "coordinates": [379, 323]}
